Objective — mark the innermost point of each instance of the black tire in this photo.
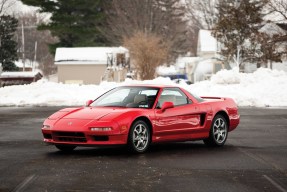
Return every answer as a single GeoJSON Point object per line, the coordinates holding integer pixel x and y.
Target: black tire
{"type": "Point", "coordinates": [139, 137]}
{"type": "Point", "coordinates": [218, 132]}
{"type": "Point", "coordinates": [65, 148]}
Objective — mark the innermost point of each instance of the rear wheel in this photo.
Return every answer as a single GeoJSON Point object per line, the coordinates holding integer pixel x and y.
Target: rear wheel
{"type": "Point", "coordinates": [139, 137]}
{"type": "Point", "coordinates": [218, 132]}
{"type": "Point", "coordinates": [65, 148]}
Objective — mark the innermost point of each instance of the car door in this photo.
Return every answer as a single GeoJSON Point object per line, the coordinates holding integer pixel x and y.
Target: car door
{"type": "Point", "coordinates": [179, 121]}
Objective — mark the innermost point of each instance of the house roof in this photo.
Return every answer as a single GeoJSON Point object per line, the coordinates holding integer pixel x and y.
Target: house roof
{"type": "Point", "coordinates": [272, 29]}
{"type": "Point", "coordinates": [86, 55]}
{"type": "Point", "coordinates": [207, 42]}
{"type": "Point", "coordinates": [29, 74]}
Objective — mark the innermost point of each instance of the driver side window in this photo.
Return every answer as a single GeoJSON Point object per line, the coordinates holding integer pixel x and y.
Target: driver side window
{"type": "Point", "coordinates": [174, 95]}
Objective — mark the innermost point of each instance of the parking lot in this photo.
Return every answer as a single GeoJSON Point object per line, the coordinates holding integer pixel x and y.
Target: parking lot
{"type": "Point", "coordinates": [253, 159]}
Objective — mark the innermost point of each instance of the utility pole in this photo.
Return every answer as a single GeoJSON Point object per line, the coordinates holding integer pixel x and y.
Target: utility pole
{"type": "Point", "coordinates": [23, 47]}
{"type": "Point", "coordinates": [35, 55]}
{"type": "Point", "coordinates": [23, 42]}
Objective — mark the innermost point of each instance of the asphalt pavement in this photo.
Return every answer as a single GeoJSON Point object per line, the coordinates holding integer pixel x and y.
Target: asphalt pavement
{"type": "Point", "coordinates": [254, 158]}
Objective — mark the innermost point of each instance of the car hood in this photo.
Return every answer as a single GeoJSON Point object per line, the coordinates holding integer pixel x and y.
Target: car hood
{"type": "Point", "coordinates": [84, 113]}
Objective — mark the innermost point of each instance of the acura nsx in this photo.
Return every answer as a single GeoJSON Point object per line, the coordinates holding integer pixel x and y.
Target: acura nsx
{"type": "Point", "coordinates": [139, 115]}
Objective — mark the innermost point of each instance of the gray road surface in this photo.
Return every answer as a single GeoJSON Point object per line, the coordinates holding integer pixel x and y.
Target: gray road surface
{"type": "Point", "coordinates": [253, 159]}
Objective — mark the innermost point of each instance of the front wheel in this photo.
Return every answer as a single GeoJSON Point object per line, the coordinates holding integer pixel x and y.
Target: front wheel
{"type": "Point", "coordinates": [65, 148]}
{"type": "Point", "coordinates": [218, 132]}
{"type": "Point", "coordinates": [139, 137]}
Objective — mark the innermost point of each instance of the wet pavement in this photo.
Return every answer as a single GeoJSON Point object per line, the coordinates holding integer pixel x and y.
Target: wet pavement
{"type": "Point", "coordinates": [253, 159]}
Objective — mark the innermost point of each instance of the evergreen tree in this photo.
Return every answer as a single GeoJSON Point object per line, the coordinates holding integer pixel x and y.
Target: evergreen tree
{"type": "Point", "coordinates": [8, 46]}
{"type": "Point", "coordinates": [75, 23]}
{"type": "Point", "coordinates": [237, 28]}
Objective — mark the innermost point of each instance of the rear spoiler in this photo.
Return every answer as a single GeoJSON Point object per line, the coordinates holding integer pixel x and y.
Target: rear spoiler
{"type": "Point", "coordinates": [207, 97]}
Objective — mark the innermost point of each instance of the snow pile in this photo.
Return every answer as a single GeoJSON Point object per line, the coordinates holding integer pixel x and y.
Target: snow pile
{"type": "Point", "coordinates": [226, 77]}
{"type": "Point", "coordinates": [262, 88]}
{"type": "Point", "coordinates": [43, 93]}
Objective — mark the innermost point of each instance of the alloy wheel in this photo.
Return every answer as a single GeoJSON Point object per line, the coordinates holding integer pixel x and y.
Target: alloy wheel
{"type": "Point", "coordinates": [140, 137]}
{"type": "Point", "coordinates": [219, 130]}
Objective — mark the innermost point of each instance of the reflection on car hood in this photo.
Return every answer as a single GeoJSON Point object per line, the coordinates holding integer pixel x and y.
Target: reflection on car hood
{"type": "Point", "coordinates": [89, 113]}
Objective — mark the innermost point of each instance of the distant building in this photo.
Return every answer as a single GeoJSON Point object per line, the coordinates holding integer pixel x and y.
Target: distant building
{"type": "Point", "coordinates": [207, 61]}
{"type": "Point", "coordinates": [91, 65]}
{"type": "Point", "coordinates": [207, 46]}
{"type": "Point", "coordinates": [272, 29]}
{"type": "Point", "coordinates": [19, 78]}
{"type": "Point", "coordinates": [28, 65]}
{"type": "Point", "coordinates": [188, 66]}
{"type": "Point", "coordinates": [279, 29]}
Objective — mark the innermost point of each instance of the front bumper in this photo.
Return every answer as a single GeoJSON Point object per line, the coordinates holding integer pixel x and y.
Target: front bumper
{"type": "Point", "coordinates": [86, 138]}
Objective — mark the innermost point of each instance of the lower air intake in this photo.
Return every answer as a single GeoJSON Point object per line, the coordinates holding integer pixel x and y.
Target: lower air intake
{"type": "Point", "coordinates": [76, 137]}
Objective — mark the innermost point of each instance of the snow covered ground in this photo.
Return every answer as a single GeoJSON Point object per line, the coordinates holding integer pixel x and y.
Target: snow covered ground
{"type": "Point", "coordinates": [262, 88]}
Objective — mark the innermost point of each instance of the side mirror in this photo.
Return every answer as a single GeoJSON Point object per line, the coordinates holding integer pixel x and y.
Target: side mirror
{"type": "Point", "coordinates": [89, 102]}
{"type": "Point", "coordinates": [167, 105]}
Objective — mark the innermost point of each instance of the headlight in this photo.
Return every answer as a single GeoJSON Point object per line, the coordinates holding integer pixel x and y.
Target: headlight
{"type": "Point", "coordinates": [46, 127]}
{"type": "Point", "coordinates": [101, 128]}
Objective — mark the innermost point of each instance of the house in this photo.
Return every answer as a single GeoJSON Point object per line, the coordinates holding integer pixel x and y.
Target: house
{"type": "Point", "coordinates": [91, 65]}
{"type": "Point", "coordinates": [273, 29]}
{"type": "Point", "coordinates": [207, 61]}
{"type": "Point", "coordinates": [280, 30]}
{"type": "Point", "coordinates": [210, 62]}
{"type": "Point", "coordinates": [201, 67]}
{"type": "Point", "coordinates": [207, 46]}
{"type": "Point", "coordinates": [19, 78]}
{"type": "Point", "coordinates": [27, 66]}
{"type": "Point", "coordinates": [187, 65]}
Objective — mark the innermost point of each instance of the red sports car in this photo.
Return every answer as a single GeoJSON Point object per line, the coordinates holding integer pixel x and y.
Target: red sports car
{"type": "Point", "coordinates": [140, 115]}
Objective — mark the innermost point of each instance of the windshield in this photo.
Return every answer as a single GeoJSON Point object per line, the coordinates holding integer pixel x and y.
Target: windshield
{"type": "Point", "coordinates": [131, 97]}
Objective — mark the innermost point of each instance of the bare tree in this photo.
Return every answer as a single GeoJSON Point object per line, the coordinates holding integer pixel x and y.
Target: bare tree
{"type": "Point", "coordinates": [164, 18]}
{"type": "Point", "coordinates": [279, 7]}
{"type": "Point", "coordinates": [5, 5]}
{"type": "Point", "coordinates": [147, 51]}
{"type": "Point", "coordinates": [36, 42]}
{"type": "Point", "coordinates": [202, 14]}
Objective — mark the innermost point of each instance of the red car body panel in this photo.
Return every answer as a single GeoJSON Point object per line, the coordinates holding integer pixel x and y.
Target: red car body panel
{"type": "Point", "coordinates": [181, 123]}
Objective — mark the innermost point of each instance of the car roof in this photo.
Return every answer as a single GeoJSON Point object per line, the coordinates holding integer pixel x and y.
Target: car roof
{"type": "Point", "coordinates": [150, 85]}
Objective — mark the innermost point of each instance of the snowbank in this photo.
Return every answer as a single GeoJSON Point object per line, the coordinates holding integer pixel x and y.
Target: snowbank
{"type": "Point", "coordinates": [260, 89]}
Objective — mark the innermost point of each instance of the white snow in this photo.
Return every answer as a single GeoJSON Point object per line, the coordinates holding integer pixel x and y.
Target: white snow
{"type": "Point", "coordinates": [262, 88]}
{"type": "Point", "coordinates": [86, 55]}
